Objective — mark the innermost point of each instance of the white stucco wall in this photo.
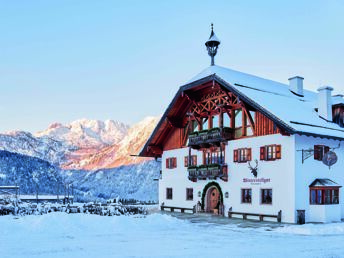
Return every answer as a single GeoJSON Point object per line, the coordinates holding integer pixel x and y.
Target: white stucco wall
{"type": "Point", "coordinates": [312, 169]}
{"type": "Point", "coordinates": [280, 172]}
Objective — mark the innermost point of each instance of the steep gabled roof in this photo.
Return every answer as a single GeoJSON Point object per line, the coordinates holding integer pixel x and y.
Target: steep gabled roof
{"type": "Point", "coordinates": [276, 98]}
{"type": "Point", "coordinates": [292, 113]}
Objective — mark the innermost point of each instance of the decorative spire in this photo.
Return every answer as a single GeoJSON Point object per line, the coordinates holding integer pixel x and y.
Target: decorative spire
{"type": "Point", "coordinates": [212, 44]}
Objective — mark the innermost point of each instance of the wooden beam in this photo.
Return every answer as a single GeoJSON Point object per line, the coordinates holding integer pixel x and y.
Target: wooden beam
{"type": "Point", "coordinates": [248, 114]}
{"type": "Point", "coordinates": [174, 122]}
{"type": "Point", "coordinates": [155, 149]}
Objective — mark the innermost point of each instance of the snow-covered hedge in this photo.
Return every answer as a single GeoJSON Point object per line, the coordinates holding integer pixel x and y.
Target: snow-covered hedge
{"type": "Point", "coordinates": [21, 209]}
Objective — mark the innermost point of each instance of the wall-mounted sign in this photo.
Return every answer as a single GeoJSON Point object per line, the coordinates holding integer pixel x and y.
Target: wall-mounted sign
{"type": "Point", "coordinates": [330, 158]}
{"type": "Point", "coordinates": [256, 181]}
{"type": "Point", "coordinates": [254, 170]}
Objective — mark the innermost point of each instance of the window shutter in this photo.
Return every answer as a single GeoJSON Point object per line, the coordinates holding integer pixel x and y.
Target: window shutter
{"type": "Point", "coordinates": [262, 153]}
{"type": "Point", "coordinates": [249, 154]}
{"type": "Point", "coordinates": [186, 161]}
{"type": "Point", "coordinates": [317, 150]}
{"type": "Point", "coordinates": [235, 158]}
{"type": "Point", "coordinates": [278, 152]}
{"type": "Point", "coordinates": [167, 163]}
{"type": "Point", "coordinates": [174, 162]}
{"type": "Point", "coordinates": [326, 149]}
{"type": "Point", "coordinates": [194, 162]}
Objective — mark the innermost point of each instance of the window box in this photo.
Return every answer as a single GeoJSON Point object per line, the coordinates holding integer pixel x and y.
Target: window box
{"type": "Point", "coordinates": [213, 166]}
{"type": "Point", "coordinates": [216, 129]}
{"type": "Point", "coordinates": [203, 167]}
{"type": "Point", "coordinates": [193, 134]}
{"type": "Point", "coordinates": [203, 132]}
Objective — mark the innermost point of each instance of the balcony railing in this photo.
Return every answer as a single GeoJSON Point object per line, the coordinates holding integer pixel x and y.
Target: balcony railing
{"type": "Point", "coordinates": [205, 172]}
{"type": "Point", "coordinates": [214, 136]}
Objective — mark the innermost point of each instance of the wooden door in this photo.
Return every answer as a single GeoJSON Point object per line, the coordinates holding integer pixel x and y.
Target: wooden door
{"type": "Point", "coordinates": [213, 199]}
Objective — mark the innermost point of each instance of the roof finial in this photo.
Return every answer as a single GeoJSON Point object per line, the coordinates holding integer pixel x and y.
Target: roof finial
{"type": "Point", "coordinates": [212, 44]}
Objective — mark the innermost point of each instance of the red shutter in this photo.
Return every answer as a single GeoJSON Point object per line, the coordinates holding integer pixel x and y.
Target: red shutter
{"type": "Point", "coordinates": [262, 153]}
{"type": "Point", "coordinates": [174, 162]}
{"type": "Point", "coordinates": [186, 161]}
{"type": "Point", "coordinates": [249, 154]}
{"type": "Point", "coordinates": [235, 158]}
{"type": "Point", "coordinates": [317, 150]}
{"type": "Point", "coordinates": [167, 163]}
{"type": "Point", "coordinates": [278, 152]}
{"type": "Point", "coordinates": [194, 160]}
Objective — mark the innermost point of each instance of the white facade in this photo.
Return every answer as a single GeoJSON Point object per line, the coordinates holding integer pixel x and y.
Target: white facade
{"type": "Point", "coordinates": [288, 178]}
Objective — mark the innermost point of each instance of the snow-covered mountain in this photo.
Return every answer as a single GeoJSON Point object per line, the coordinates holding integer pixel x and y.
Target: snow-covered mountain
{"type": "Point", "coordinates": [45, 148]}
{"type": "Point", "coordinates": [117, 154]}
{"type": "Point", "coordinates": [91, 154]}
{"type": "Point", "coordinates": [83, 144]}
{"type": "Point", "coordinates": [87, 134]}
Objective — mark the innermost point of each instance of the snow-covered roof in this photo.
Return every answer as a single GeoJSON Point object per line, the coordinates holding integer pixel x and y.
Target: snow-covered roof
{"type": "Point", "coordinates": [296, 112]}
{"type": "Point", "coordinates": [320, 182]}
{"type": "Point", "coordinates": [213, 38]}
{"type": "Point", "coordinates": [337, 99]}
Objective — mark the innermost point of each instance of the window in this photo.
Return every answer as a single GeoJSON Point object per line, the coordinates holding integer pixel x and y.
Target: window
{"type": "Point", "coordinates": [189, 194]}
{"type": "Point", "coordinates": [169, 193]}
{"type": "Point", "coordinates": [214, 156]}
{"type": "Point", "coordinates": [266, 196]}
{"type": "Point", "coordinates": [319, 151]}
{"type": "Point", "coordinates": [326, 195]}
{"type": "Point", "coordinates": [171, 163]}
{"type": "Point", "coordinates": [238, 123]}
{"type": "Point", "coordinates": [271, 152]}
{"type": "Point", "coordinates": [246, 195]}
{"type": "Point", "coordinates": [193, 161]}
{"type": "Point", "coordinates": [242, 155]}
{"type": "Point", "coordinates": [216, 121]}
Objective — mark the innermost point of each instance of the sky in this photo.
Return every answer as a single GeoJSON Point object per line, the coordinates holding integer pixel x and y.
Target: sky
{"type": "Point", "coordinates": [63, 60]}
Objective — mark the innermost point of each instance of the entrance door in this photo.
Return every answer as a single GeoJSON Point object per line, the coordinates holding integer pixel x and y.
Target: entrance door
{"type": "Point", "coordinates": [213, 199]}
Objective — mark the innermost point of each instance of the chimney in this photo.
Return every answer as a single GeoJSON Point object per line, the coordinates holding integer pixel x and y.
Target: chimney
{"type": "Point", "coordinates": [325, 102]}
{"type": "Point", "coordinates": [296, 85]}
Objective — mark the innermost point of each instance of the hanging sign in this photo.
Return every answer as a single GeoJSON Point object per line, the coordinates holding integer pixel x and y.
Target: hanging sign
{"type": "Point", "coordinates": [330, 158]}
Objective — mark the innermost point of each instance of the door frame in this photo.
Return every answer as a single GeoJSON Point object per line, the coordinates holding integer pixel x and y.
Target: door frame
{"type": "Point", "coordinates": [205, 191]}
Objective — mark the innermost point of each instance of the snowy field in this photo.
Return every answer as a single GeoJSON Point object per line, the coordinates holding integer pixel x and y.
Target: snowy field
{"type": "Point", "coordinates": [160, 235]}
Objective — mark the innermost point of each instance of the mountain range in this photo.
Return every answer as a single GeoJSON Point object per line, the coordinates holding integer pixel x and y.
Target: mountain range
{"type": "Point", "coordinates": [83, 144]}
{"type": "Point", "coordinates": [93, 155]}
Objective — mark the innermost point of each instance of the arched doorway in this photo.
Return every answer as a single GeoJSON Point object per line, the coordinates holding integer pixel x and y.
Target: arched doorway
{"type": "Point", "coordinates": [213, 199]}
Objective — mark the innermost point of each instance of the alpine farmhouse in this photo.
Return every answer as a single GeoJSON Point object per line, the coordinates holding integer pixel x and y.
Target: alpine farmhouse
{"type": "Point", "coordinates": [242, 146]}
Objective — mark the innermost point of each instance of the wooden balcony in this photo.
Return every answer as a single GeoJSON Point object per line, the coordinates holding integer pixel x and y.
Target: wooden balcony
{"type": "Point", "coordinates": [208, 172]}
{"type": "Point", "coordinates": [212, 137]}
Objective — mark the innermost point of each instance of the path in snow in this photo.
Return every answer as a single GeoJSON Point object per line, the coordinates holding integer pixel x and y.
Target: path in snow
{"type": "Point", "coordinates": [161, 235]}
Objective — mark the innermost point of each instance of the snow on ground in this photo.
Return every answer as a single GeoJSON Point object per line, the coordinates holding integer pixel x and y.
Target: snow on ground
{"type": "Point", "coordinates": [162, 235]}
